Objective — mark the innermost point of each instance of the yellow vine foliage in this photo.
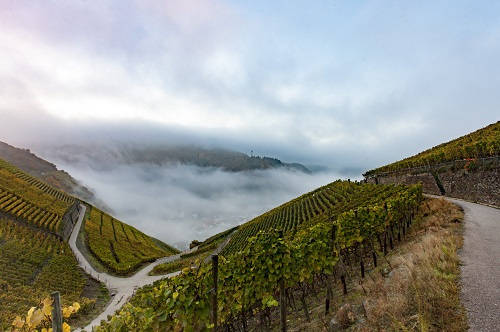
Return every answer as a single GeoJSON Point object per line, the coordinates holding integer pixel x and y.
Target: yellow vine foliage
{"type": "Point", "coordinates": [40, 319]}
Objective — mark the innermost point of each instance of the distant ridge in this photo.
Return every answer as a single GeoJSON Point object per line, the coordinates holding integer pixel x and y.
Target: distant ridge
{"type": "Point", "coordinates": [111, 155]}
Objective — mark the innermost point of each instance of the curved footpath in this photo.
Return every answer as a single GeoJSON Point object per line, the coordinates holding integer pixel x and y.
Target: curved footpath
{"type": "Point", "coordinates": [123, 288]}
{"type": "Point", "coordinates": [480, 258]}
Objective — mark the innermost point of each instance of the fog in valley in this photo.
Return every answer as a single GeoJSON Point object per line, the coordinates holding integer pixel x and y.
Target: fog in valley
{"type": "Point", "coordinates": [179, 203]}
{"type": "Point", "coordinates": [172, 201]}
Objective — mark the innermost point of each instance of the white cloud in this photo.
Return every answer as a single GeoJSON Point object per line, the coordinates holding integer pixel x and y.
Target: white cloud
{"type": "Point", "coordinates": [190, 16]}
{"type": "Point", "coordinates": [226, 68]}
{"type": "Point", "coordinates": [72, 84]}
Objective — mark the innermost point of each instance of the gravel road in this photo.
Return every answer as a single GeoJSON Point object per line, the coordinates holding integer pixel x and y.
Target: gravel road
{"type": "Point", "coordinates": [480, 257]}
{"type": "Point", "coordinates": [123, 288]}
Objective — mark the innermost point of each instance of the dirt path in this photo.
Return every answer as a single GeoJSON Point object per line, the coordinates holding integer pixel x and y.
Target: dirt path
{"type": "Point", "coordinates": [123, 288]}
{"type": "Point", "coordinates": [480, 257]}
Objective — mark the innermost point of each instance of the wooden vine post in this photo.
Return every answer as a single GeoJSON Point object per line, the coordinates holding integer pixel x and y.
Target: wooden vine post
{"type": "Point", "coordinates": [385, 241]}
{"type": "Point", "coordinates": [399, 231]}
{"type": "Point", "coordinates": [282, 306]}
{"type": "Point", "coordinates": [215, 271]}
{"type": "Point", "coordinates": [282, 298]}
{"type": "Point", "coordinates": [391, 236]}
{"type": "Point", "coordinates": [385, 233]}
{"type": "Point", "coordinates": [361, 263]}
{"type": "Point", "coordinates": [329, 291]}
{"type": "Point", "coordinates": [344, 285]}
{"type": "Point", "coordinates": [56, 312]}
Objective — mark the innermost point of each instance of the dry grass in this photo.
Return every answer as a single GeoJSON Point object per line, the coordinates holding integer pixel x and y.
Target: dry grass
{"type": "Point", "coordinates": [422, 291]}
{"type": "Point", "coordinates": [415, 289]}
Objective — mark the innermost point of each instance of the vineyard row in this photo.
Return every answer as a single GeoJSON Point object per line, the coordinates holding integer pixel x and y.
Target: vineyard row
{"type": "Point", "coordinates": [325, 202]}
{"type": "Point", "coordinates": [60, 195]}
{"type": "Point", "coordinates": [32, 264]}
{"type": "Point", "coordinates": [35, 215]}
{"type": "Point", "coordinates": [119, 247]}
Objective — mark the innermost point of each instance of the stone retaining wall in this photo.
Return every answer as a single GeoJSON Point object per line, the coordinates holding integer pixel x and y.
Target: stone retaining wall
{"type": "Point", "coordinates": [427, 180]}
{"type": "Point", "coordinates": [481, 184]}
{"type": "Point", "coordinates": [69, 220]}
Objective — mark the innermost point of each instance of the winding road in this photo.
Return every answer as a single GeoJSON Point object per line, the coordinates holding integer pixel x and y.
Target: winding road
{"type": "Point", "coordinates": [480, 269]}
{"type": "Point", "coordinates": [123, 288]}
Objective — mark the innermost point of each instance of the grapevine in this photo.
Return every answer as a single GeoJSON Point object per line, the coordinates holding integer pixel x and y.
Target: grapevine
{"type": "Point", "coordinates": [118, 246]}
{"type": "Point", "coordinates": [27, 198]}
{"type": "Point", "coordinates": [30, 262]}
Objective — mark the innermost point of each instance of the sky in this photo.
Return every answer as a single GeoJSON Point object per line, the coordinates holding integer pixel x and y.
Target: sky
{"type": "Point", "coordinates": [346, 84]}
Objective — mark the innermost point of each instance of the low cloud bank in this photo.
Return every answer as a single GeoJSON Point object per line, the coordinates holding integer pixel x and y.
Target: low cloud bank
{"type": "Point", "coordinates": [180, 203]}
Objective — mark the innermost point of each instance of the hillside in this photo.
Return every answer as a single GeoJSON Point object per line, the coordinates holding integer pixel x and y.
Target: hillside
{"type": "Point", "coordinates": [104, 156]}
{"type": "Point", "coordinates": [120, 248]}
{"type": "Point", "coordinates": [481, 143]}
{"type": "Point", "coordinates": [319, 205]}
{"type": "Point", "coordinates": [35, 222]}
{"type": "Point", "coordinates": [360, 216]}
{"type": "Point", "coordinates": [30, 163]}
{"type": "Point", "coordinates": [33, 264]}
{"type": "Point", "coordinates": [27, 198]}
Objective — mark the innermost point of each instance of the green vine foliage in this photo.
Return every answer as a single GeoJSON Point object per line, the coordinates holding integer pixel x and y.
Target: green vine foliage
{"type": "Point", "coordinates": [248, 280]}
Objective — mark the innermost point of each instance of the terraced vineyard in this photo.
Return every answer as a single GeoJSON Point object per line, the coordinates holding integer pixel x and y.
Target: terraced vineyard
{"type": "Point", "coordinates": [481, 143]}
{"type": "Point", "coordinates": [32, 264]}
{"type": "Point", "coordinates": [348, 231]}
{"type": "Point", "coordinates": [25, 197]}
{"type": "Point", "coordinates": [120, 247]}
{"type": "Point", "coordinates": [319, 205]}
{"type": "Point", "coordinates": [60, 195]}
